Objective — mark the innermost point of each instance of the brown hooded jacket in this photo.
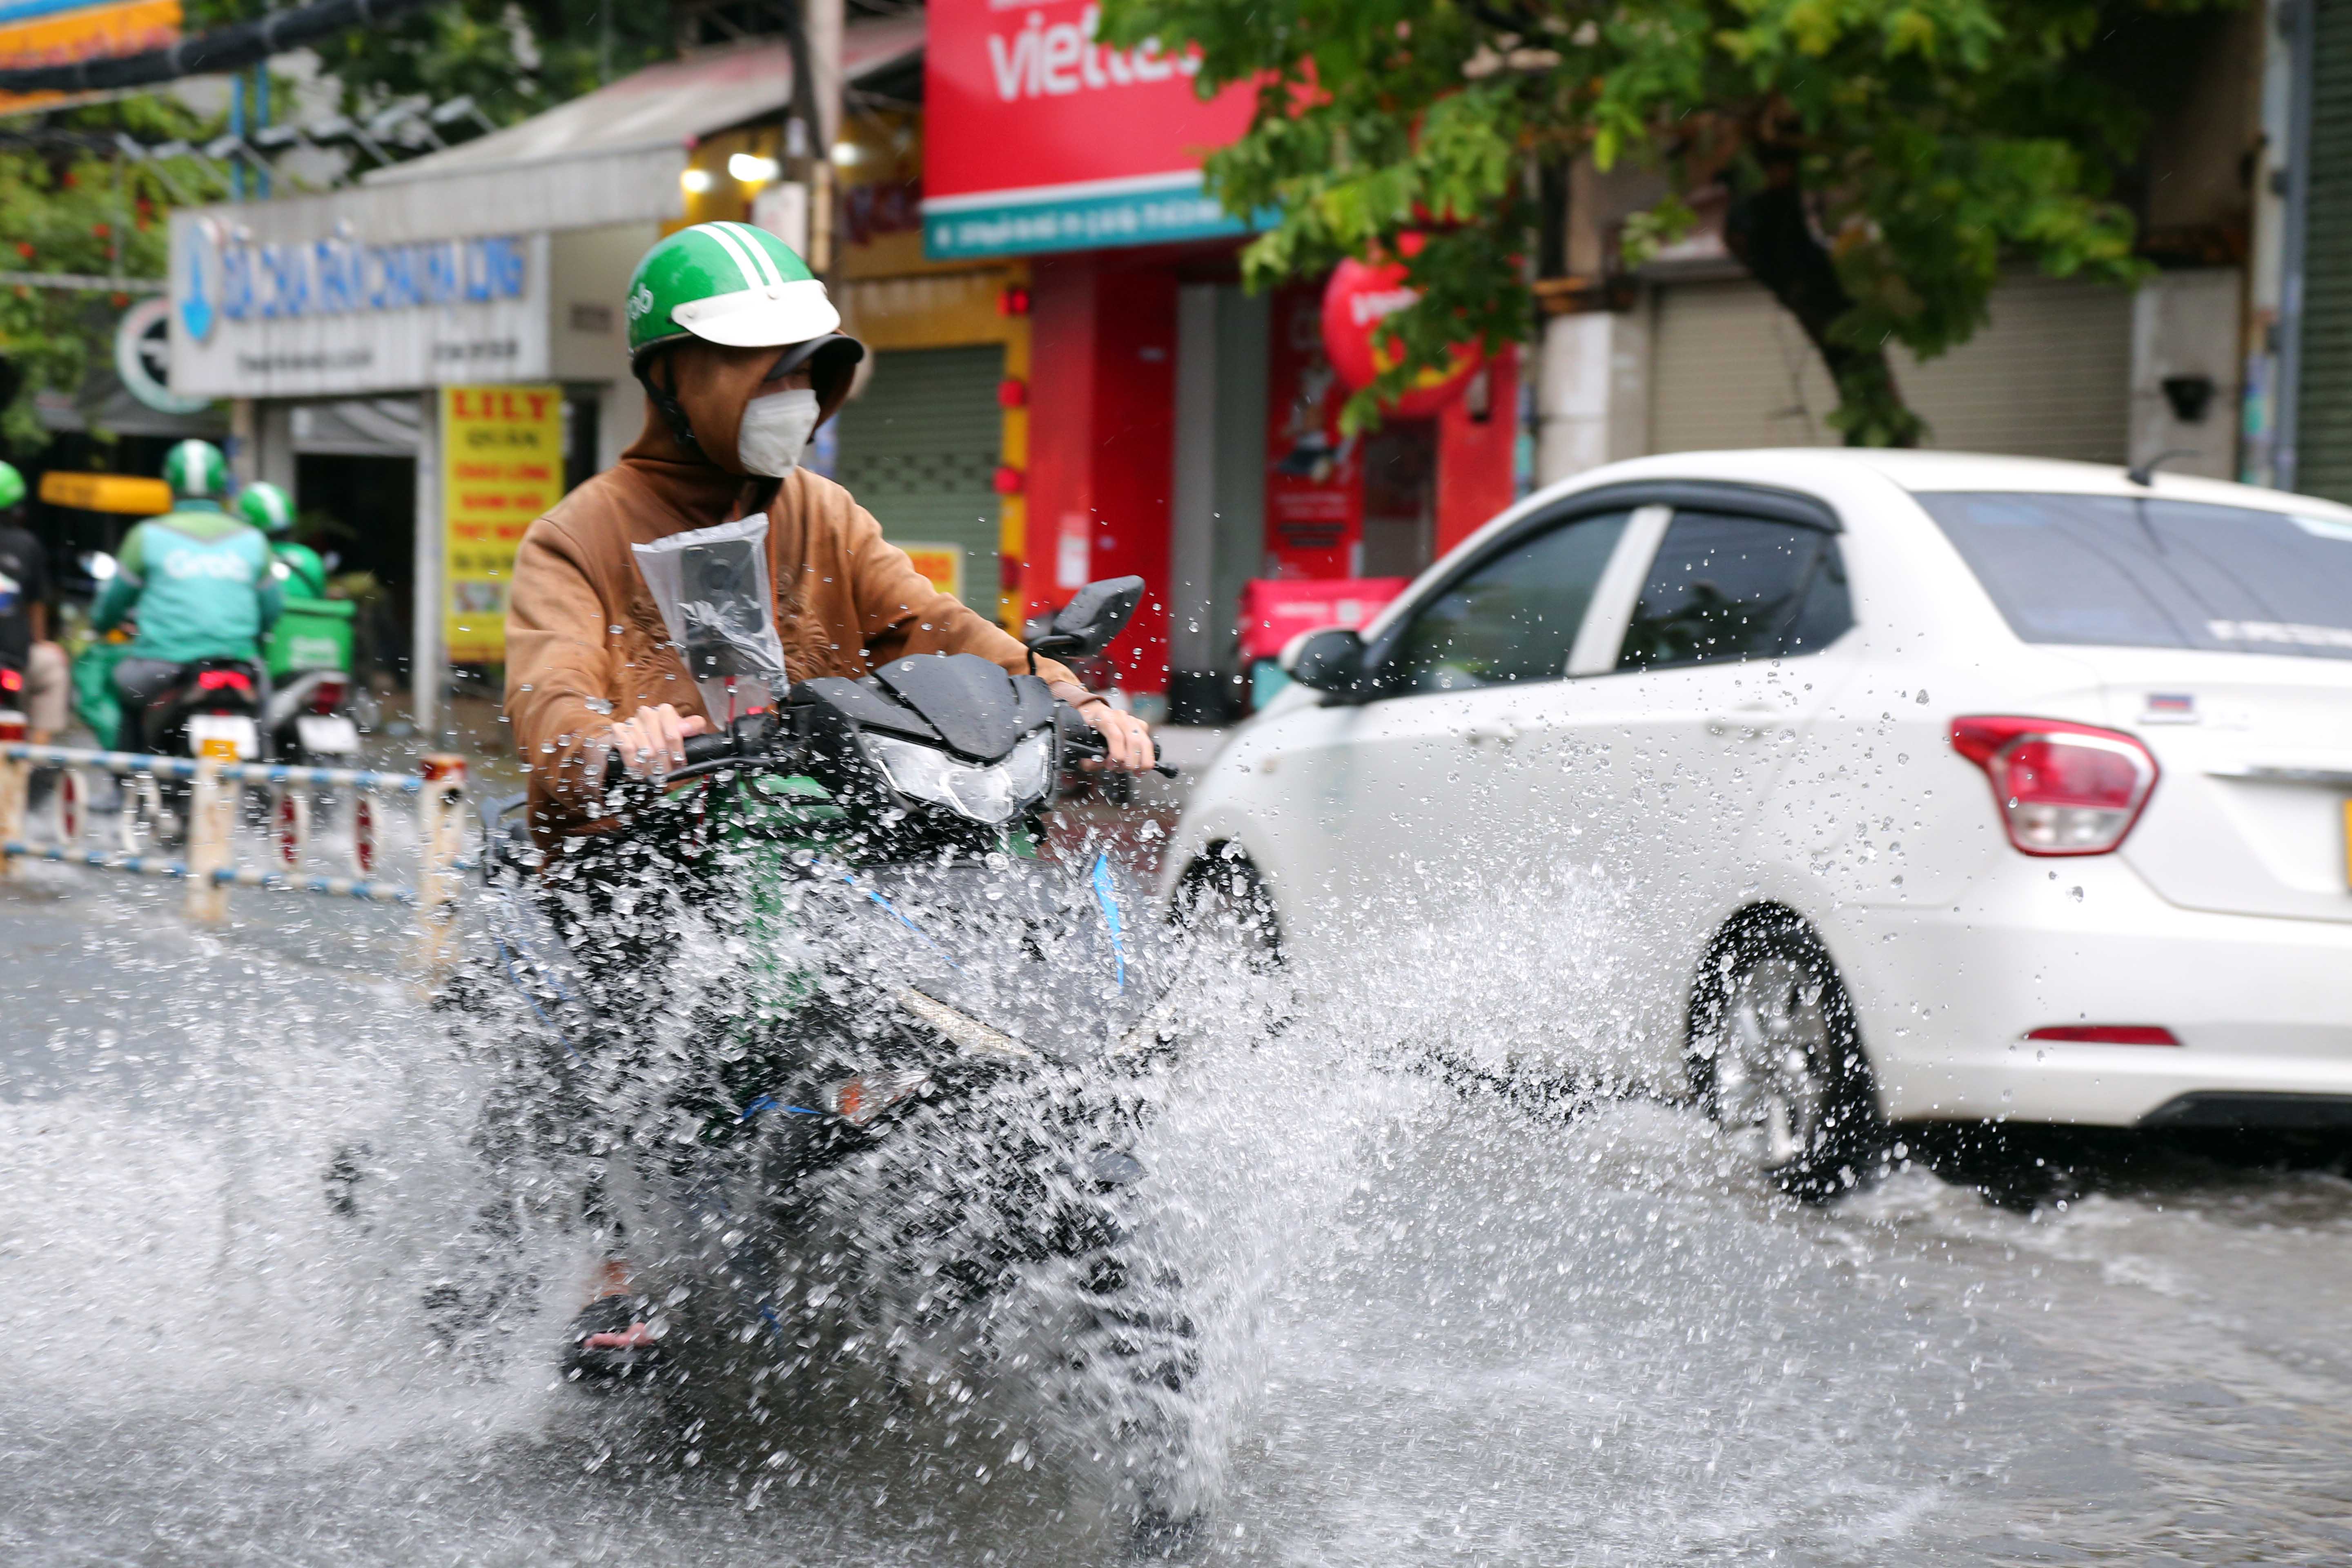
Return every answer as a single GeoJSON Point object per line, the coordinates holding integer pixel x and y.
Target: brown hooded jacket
{"type": "Point", "coordinates": [585, 643]}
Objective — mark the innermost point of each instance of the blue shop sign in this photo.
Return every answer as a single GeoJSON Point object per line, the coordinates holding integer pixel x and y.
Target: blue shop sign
{"type": "Point", "coordinates": [235, 281]}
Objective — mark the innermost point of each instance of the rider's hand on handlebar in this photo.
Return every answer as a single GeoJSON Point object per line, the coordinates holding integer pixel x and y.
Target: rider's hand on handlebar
{"type": "Point", "coordinates": [1126, 737]}
{"type": "Point", "coordinates": [653, 744]}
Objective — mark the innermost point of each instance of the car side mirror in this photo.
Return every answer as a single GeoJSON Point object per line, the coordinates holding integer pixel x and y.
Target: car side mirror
{"type": "Point", "coordinates": [1330, 661]}
{"type": "Point", "coordinates": [1095, 614]}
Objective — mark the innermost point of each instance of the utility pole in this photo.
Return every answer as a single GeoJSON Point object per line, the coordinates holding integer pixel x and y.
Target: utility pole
{"type": "Point", "coordinates": [821, 24]}
{"type": "Point", "coordinates": [428, 655]}
{"type": "Point", "coordinates": [811, 121]}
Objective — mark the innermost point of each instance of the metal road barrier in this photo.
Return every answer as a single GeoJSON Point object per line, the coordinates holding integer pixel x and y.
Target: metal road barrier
{"type": "Point", "coordinates": [208, 866]}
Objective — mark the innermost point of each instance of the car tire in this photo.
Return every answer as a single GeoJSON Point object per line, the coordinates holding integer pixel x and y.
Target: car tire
{"type": "Point", "coordinates": [1778, 1061]}
{"type": "Point", "coordinates": [1222, 898]}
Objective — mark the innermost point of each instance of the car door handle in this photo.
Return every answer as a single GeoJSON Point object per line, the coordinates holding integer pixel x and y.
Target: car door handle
{"type": "Point", "coordinates": [1501, 735]}
{"type": "Point", "coordinates": [1744, 723]}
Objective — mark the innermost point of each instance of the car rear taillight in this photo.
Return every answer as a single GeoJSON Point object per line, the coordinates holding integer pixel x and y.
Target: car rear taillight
{"type": "Point", "coordinates": [2106, 1034]}
{"type": "Point", "coordinates": [2062, 788]}
{"type": "Point", "coordinates": [223, 680]}
{"type": "Point", "coordinates": [12, 680]}
{"type": "Point", "coordinates": [326, 697]}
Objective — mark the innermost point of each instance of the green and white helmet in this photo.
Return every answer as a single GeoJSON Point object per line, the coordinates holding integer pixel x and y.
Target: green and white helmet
{"type": "Point", "coordinates": [197, 471]}
{"type": "Point", "coordinates": [726, 283]}
{"type": "Point", "coordinates": [266, 507]}
{"type": "Point", "coordinates": [12, 488]}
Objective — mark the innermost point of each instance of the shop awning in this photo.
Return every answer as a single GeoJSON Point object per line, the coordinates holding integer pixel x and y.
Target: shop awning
{"type": "Point", "coordinates": [611, 157]}
{"type": "Point", "coordinates": [614, 156]}
{"type": "Point", "coordinates": [125, 493]}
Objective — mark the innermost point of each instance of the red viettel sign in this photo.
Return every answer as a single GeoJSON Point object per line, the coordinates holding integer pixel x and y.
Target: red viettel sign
{"type": "Point", "coordinates": [1037, 138]}
{"type": "Point", "coordinates": [1360, 297]}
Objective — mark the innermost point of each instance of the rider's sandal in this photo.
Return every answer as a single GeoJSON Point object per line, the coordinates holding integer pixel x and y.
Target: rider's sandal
{"type": "Point", "coordinates": [611, 1340]}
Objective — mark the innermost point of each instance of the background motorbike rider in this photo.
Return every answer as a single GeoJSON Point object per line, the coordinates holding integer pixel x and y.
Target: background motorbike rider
{"type": "Point", "coordinates": [269, 508]}
{"type": "Point", "coordinates": [198, 581]}
{"type": "Point", "coordinates": [25, 617]}
{"type": "Point", "coordinates": [738, 348]}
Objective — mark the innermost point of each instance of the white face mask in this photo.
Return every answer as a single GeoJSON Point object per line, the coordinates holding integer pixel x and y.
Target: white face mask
{"type": "Point", "coordinates": [775, 428]}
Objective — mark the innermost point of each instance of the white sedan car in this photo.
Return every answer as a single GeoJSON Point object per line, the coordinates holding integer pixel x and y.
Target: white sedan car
{"type": "Point", "coordinates": [1939, 787]}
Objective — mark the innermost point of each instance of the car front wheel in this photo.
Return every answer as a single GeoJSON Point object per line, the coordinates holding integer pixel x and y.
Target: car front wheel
{"type": "Point", "coordinates": [1777, 1060]}
{"type": "Point", "coordinates": [1222, 898]}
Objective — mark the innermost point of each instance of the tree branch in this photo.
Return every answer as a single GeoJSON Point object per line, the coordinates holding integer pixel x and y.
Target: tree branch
{"type": "Point", "coordinates": [1767, 229]}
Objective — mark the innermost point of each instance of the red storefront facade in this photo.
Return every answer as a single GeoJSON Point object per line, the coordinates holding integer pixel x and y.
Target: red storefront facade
{"type": "Point", "coordinates": [1176, 429]}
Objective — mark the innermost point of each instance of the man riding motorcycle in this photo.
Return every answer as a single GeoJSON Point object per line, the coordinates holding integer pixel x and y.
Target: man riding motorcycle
{"type": "Point", "coordinates": [38, 666]}
{"type": "Point", "coordinates": [196, 580]}
{"type": "Point", "coordinates": [738, 348]}
{"type": "Point", "coordinates": [269, 508]}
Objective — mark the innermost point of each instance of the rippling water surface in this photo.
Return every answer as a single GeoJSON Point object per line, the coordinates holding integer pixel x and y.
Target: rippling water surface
{"type": "Point", "coordinates": [1440, 1326]}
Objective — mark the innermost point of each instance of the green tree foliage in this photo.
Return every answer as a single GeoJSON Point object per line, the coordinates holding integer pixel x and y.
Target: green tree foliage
{"type": "Point", "coordinates": [1881, 159]}
{"type": "Point", "coordinates": [70, 205]}
{"type": "Point", "coordinates": [513, 57]}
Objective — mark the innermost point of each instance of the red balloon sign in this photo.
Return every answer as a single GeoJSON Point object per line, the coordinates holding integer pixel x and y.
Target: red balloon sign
{"type": "Point", "coordinates": [1360, 297]}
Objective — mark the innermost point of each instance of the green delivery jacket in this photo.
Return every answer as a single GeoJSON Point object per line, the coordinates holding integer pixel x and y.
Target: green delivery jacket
{"type": "Point", "coordinates": [199, 583]}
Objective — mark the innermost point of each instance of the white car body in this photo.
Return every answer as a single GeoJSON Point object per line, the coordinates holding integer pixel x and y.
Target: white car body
{"type": "Point", "coordinates": [1827, 782]}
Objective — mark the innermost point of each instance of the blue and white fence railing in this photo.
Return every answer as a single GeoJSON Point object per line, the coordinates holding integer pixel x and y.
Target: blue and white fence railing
{"type": "Point", "coordinates": [296, 859]}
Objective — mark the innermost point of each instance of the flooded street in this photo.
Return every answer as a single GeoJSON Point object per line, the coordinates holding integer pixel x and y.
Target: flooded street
{"type": "Point", "coordinates": [1437, 1326]}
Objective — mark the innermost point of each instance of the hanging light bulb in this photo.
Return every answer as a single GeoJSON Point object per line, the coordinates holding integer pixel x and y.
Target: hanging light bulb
{"type": "Point", "coordinates": [751, 169]}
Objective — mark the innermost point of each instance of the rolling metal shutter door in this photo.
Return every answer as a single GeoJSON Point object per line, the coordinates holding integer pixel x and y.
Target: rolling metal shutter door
{"type": "Point", "coordinates": [919, 451]}
{"type": "Point", "coordinates": [2048, 376]}
{"type": "Point", "coordinates": [2323, 406]}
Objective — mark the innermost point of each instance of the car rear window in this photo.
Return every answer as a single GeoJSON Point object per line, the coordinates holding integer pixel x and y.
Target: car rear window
{"type": "Point", "coordinates": [2122, 570]}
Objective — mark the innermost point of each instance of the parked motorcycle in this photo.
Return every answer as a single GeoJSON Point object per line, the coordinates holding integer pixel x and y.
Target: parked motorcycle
{"type": "Point", "coordinates": [309, 721]}
{"type": "Point", "coordinates": [309, 724]}
{"type": "Point", "coordinates": [906, 1087]}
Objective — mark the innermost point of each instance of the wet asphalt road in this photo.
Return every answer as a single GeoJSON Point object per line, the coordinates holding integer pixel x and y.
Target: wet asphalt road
{"type": "Point", "coordinates": [1440, 1328]}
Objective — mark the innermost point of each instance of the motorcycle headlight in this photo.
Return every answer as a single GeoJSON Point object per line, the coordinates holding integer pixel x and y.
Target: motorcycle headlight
{"type": "Point", "coordinates": [989, 793]}
{"type": "Point", "coordinates": [1031, 765]}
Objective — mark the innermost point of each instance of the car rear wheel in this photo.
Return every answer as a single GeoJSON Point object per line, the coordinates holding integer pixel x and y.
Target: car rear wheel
{"type": "Point", "coordinates": [1777, 1060]}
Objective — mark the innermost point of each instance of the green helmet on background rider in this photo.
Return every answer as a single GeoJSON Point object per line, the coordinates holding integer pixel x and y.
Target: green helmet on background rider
{"type": "Point", "coordinates": [739, 287]}
{"type": "Point", "coordinates": [12, 489]}
{"type": "Point", "coordinates": [267, 508]}
{"type": "Point", "coordinates": [197, 471]}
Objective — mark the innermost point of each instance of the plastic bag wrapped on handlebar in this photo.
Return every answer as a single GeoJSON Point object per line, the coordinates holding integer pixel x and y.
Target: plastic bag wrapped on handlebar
{"type": "Point", "coordinates": [712, 586]}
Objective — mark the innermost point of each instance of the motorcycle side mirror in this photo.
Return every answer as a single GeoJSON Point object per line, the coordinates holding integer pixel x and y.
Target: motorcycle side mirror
{"type": "Point", "coordinates": [1095, 613]}
{"type": "Point", "coordinates": [1329, 661]}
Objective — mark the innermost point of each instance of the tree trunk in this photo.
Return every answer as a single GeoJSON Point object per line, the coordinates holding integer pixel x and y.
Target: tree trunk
{"type": "Point", "coordinates": [1767, 230]}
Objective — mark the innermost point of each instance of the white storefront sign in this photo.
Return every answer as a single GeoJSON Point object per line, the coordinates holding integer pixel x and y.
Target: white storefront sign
{"type": "Point", "coordinates": [338, 315]}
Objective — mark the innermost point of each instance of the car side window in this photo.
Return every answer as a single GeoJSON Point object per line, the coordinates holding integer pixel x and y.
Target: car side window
{"type": "Point", "coordinates": [1729, 587]}
{"type": "Point", "coordinates": [1513, 617]}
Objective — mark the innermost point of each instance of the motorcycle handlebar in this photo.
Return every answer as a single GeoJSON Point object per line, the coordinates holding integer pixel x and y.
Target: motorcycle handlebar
{"type": "Point", "coordinates": [700, 750]}
{"type": "Point", "coordinates": [1089, 744]}
{"type": "Point", "coordinates": [703, 750]}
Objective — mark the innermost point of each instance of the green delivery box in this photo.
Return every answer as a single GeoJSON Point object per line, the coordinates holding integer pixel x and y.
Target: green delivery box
{"type": "Point", "coordinates": [311, 633]}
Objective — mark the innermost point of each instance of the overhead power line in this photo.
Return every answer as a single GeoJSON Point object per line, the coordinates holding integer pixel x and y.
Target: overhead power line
{"type": "Point", "coordinates": [228, 49]}
{"type": "Point", "coordinates": [82, 283]}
